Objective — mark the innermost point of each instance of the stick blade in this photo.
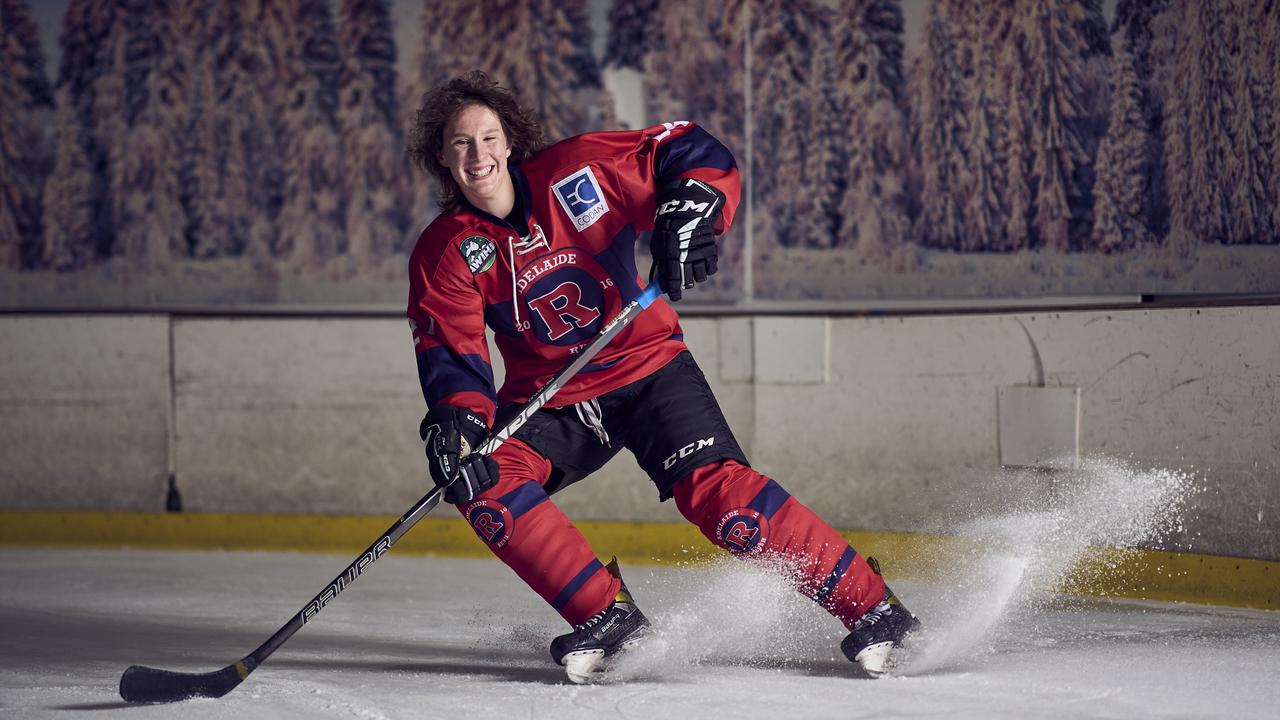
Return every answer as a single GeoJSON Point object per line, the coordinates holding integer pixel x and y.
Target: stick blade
{"type": "Point", "coordinates": [141, 684]}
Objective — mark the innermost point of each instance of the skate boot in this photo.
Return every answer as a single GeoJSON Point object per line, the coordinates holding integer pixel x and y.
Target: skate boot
{"type": "Point", "coordinates": [589, 648]}
{"type": "Point", "coordinates": [877, 633]}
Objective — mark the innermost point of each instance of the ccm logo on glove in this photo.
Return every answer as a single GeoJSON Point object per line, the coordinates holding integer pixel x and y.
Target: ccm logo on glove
{"type": "Point", "coordinates": [685, 206]}
{"type": "Point", "coordinates": [683, 243]}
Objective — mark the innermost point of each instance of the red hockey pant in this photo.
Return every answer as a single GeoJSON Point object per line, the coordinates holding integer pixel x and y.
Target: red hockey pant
{"type": "Point", "coordinates": [736, 507]}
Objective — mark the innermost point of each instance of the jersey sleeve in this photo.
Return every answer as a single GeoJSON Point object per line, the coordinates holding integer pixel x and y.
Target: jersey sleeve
{"type": "Point", "coordinates": [446, 318]}
{"type": "Point", "coordinates": [685, 150]}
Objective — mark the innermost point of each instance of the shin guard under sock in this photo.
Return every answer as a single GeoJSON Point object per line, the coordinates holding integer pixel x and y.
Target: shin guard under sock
{"type": "Point", "coordinates": [753, 517]}
{"type": "Point", "coordinates": [520, 524]}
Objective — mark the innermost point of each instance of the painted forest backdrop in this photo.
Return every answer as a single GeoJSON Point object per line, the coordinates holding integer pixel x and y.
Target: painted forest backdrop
{"type": "Point", "coordinates": [243, 152]}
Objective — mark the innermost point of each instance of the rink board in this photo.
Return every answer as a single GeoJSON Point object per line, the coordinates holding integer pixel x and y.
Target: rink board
{"type": "Point", "coordinates": [1128, 573]}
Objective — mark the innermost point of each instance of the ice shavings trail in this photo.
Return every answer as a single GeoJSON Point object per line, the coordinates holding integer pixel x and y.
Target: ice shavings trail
{"type": "Point", "coordinates": [732, 613]}
{"type": "Point", "coordinates": [1023, 553]}
{"type": "Point", "coordinates": [728, 613]}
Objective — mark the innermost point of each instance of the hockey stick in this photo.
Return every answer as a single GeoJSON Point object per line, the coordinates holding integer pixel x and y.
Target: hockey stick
{"type": "Point", "coordinates": [141, 684]}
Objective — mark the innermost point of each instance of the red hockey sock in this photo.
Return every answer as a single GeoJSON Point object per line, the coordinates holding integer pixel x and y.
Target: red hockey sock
{"type": "Point", "coordinates": [520, 524]}
{"type": "Point", "coordinates": [751, 516]}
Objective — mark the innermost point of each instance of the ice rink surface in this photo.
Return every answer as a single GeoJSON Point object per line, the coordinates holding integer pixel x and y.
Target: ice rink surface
{"type": "Point", "coordinates": [423, 637]}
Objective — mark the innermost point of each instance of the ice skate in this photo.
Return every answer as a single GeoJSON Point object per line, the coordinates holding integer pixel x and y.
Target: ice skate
{"type": "Point", "coordinates": [589, 649]}
{"type": "Point", "coordinates": [878, 633]}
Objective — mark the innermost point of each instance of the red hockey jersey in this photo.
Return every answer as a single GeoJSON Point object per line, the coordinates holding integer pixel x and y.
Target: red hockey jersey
{"type": "Point", "coordinates": [546, 294]}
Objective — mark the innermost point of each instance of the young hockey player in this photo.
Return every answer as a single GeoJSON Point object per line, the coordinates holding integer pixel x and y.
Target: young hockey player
{"type": "Point", "coordinates": [538, 244]}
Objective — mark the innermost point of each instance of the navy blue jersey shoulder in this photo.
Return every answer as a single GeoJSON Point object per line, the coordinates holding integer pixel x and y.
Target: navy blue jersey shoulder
{"type": "Point", "coordinates": [693, 149]}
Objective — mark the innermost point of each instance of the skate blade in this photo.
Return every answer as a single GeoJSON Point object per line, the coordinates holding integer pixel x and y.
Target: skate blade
{"type": "Point", "coordinates": [583, 666]}
{"type": "Point", "coordinates": [877, 659]}
{"type": "Point", "coordinates": [589, 666]}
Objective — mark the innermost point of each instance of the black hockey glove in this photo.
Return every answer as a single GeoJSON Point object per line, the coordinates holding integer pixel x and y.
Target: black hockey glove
{"type": "Point", "coordinates": [683, 243]}
{"type": "Point", "coordinates": [450, 434]}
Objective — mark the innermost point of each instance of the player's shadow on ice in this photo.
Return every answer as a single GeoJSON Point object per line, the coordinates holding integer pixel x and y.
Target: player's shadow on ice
{"type": "Point", "coordinates": [547, 675]}
{"type": "Point", "coordinates": [89, 707]}
{"type": "Point", "coordinates": [519, 664]}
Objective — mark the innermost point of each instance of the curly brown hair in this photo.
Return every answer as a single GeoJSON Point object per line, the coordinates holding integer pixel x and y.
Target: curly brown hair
{"type": "Point", "coordinates": [443, 102]}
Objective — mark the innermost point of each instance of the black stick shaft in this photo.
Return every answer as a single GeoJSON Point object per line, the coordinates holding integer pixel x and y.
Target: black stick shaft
{"type": "Point", "coordinates": [148, 685]}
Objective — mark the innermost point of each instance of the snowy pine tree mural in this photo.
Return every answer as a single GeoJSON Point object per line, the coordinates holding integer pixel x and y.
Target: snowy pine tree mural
{"type": "Point", "coordinates": [631, 35]}
{"type": "Point", "coordinates": [1270, 102]}
{"type": "Point", "coordinates": [702, 39]}
{"type": "Point", "coordinates": [541, 56]}
{"type": "Point", "coordinates": [1200, 110]}
{"type": "Point", "coordinates": [1248, 172]}
{"type": "Point", "coordinates": [915, 109]}
{"type": "Point", "coordinates": [26, 109]}
{"type": "Point", "coordinates": [871, 89]}
{"type": "Point", "coordinates": [1095, 57]}
{"type": "Point", "coordinates": [1010, 126]}
{"type": "Point", "coordinates": [377, 173]}
{"type": "Point", "coordinates": [982, 200]}
{"type": "Point", "coordinates": [1120, 220]}
{"type": "Point", "coordinates": [436, 60]}
{"type": "Point", "coordinates": [582, 57]}
{"type": "Point", "coordinates": [78, 227]}
{"type": "Point", "coordinates": [829, 159]}
{"type": "Point", "coordinates": [236, 171]}
{"type": "Point", "coordinates": [536, 48]}
{"type": "Point", "coordinates": [144, 157]}
{"type": "Point", "coordinates": [312, 221]}
{"type": "Point", "coordinates": [1059, 127]}
{"type": "Point", "coordinates": [957, 148]}
{"type": "Point", "coordinates": [1135, 19]}
{"type": "Point", "coordinates": [210, 179]}
{"type": "Point", "coordinates": [788, 39]}
{"type": "Point", "coordinates": [944, 163]}
{"type": "Point", "coordinates": [1017, 171]}
{"type": "Point", "coordinates": [108, 119]}
{"type": "Point", "coordinates": [70, 220]}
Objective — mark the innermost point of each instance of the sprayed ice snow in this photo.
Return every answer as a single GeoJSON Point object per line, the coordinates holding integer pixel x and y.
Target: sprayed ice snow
{"type": "Point", "coordinates": [728, 613]}
{"type": "Point", "coordinates": [1030, 549]}
{"type": "Point", "coordinates": [737, 613]}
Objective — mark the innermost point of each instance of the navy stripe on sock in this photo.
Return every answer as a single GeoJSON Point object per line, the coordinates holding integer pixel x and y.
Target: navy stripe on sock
{"type": "Point", "coordinates": [576, 584]}
{"type": "Point", "coordinates": [842, 566]}
{"type": "Point", "coordinates": [524, 498]}
{"type": "Point", "coordinates": [769, 499]}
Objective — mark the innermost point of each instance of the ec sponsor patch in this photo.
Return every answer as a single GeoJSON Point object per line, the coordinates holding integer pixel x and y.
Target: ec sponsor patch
{"type": "Point", "coordinates": [479, 252]}
{"type": "Point", "coordinates": [742, 531]}
{"type": "Point", "coordinates": [492, 522]}
{"type": "Point", "coordinates": [581, 197]}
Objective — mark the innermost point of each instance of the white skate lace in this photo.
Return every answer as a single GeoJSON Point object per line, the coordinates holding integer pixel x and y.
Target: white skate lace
{"type": "Point", "coordinates": [875, 614]}
{"type": "Point", "coordinates": [593, 619]}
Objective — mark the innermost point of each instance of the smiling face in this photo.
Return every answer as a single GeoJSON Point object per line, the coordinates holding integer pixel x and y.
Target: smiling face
{"type": "Point", "coordinates": [476, 151]}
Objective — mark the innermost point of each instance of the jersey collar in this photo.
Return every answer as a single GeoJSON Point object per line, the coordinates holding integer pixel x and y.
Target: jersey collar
{"type": "Point", "coordinates": [524, 201]}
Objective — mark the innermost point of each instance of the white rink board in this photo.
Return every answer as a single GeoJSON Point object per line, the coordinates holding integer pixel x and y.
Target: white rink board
{"type": "Point", "coordinates": [894, 427]}
{"type": "Point", "coordinates": [84, 412]}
